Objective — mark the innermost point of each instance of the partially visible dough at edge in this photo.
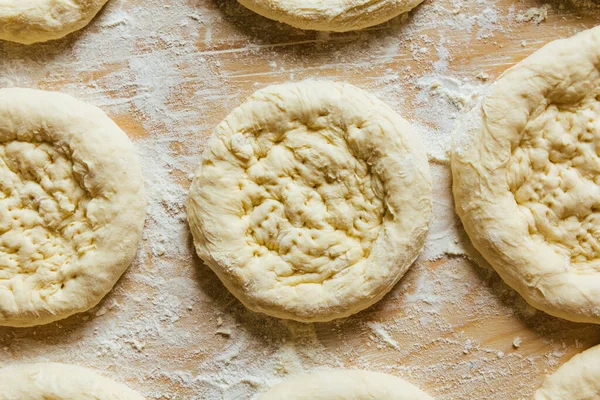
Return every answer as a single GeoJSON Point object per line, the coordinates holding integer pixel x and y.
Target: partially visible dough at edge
{"type": "Point", "coordinates": [345, 385]}
{"type": "Point", "coordinates": [330, 15]}
{"type": "Point", "coordinates": [57, 381]}
{"type": "Point", "coordinates": [578, 379]}
{"type": "Point", "coordinates": [32, 21]}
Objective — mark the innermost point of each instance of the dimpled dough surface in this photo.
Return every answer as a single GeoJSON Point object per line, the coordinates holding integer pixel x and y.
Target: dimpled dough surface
{"type": "Point", "coordinates": [31, 21]}
{"type": "Point", "coordinates": [53, 381]}
{"type": "Point", "coordinates": [71, 206]}
{"type": "Point", "coordinates": [331, 15]}
{"type": "Point", "coordinates": [527, 177]}
{"type": "Point", "coordinates": [312, 200]}
{"type": "Point", "coordinates": [345, 385]}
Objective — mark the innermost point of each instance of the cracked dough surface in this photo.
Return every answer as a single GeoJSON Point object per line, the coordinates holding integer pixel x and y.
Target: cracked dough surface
{"type": "Point", "coordinates": [54, 381]}
{"type": "Point", "coordinates": [311, 201]}
{"type": "Point", "coordinates": [71, 206]}
{"type": "Point", "coordinates": [31, 21]}
{"type": "Point", "coordinates": [526, 170]}
{"type": "Point", "coordinates": [345, 385]}
{"type": "Point", "coordinates": [578, 379]}
{"type": "Point", "coordinates": [331, 15]}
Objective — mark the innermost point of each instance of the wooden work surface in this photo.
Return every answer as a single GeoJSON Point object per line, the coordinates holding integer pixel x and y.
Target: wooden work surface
{"type": "Point", "coordinates": [167, 72]}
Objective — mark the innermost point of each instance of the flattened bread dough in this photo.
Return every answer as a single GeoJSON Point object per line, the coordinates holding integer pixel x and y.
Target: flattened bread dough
{"type": "Point", "coordinates": [345, 385]}
{"type": "Point", "coordinates": [330, 15]}
{"type": "Point", "coordinates": [56, 381]}
{"type": "Point", "coordinates": [526, 172]}
{"type": "Point", "coordinates": [71, 206]}
{"type": "Point", "coordinates": [578, 379]}
{"type": "Point", "coordinates": [31, 21]}
{"type": "Point", "coordinates": [312, 200]}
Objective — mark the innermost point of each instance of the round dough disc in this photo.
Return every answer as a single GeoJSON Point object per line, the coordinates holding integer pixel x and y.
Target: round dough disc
{"type": "Point", "coordinates": [526, 172]}
{"type": "Point", "coordinates": [330, 15]}
{"type": "Point", "coordinates": [312, 200]}
{"type": "Point", "coordinates": [345, 385]}
{"type": "Point", "coordinates": [71, 206]}
{"type": "Point", "coordinates": [59, 382]}
{"type": "Point", "coordinates": [31, 21]}
{"type": "Point", "coordinates": [578, 379]}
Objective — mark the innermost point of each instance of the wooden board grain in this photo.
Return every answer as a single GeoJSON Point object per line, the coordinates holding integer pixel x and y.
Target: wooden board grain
{"type": "Point", "coordinates": [169, 72]}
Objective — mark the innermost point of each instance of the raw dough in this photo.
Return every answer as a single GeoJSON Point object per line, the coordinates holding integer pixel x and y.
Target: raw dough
{"type": "Point", "coordinates": [31, 21]}
{"type": "Point", "coordinates": [312, 200]}
{"type": "Point", "coordinates": [578, 379]}
{"type": "Point", "coordinates": [526, 176]}
{"type": "Point", "coordinates": [331, 15]}
{"type": "Point", "coordinates": [55, 381]}
{"type": "Point", "coordinates": [345, 385]}
{"type": "Point", "coordinates": [71, 206]}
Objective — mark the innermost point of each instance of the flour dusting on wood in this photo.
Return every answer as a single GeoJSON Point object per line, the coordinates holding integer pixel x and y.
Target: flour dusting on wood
{"type": "Point", "coordinates": [167, 74]}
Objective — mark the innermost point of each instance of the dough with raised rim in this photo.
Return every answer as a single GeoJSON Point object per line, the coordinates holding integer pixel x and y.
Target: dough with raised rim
{"type": "Point", "coordinates": [54, 381]}
{"type": "Point", "coordinates": [311, 201]}
{"type": "Point", "coordinates": [31, 21]}
{"type": "Point", "coordinates": [330, 15]}
{"type": "Point", "coordinates": [71, 206]}
{"type": "Point", "coordinates": [345, 385]}
{"type": "Point", "coordinates": [577, 379]}
{"type": "Point", "coordinates": [526, 172]}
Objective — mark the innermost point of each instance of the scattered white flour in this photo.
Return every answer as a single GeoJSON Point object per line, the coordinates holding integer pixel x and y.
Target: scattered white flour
{"type": "Point", "coordinates": [167, 74]}
{"type": "Point", "coordinates": [441, 100]}
{"type": "Point", "coordinates": [536, 15]}
{"type": "Point", "coordinates": [383, 334]}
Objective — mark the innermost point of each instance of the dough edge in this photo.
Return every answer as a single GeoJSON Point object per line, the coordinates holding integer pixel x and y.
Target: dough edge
{"type": "Point", "coordinates": [330, 15]}
{"type": "Point", "coordinates": [38, 380]}
{"type": "Point", "coordinates": [577, 379]}
{"type": "Point", "coordinates": [344, 384]}
{"type": "Point", "coordinates": [22, 23]}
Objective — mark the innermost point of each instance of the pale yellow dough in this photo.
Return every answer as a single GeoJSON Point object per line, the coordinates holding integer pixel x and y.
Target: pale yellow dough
{"type": "Point", "coordinates": [31, 21]}
{"type": "Point", "coordinates": [54, 381]}
{"type": "Point", "coordinates": [578, 379]}
{"type": "Point", "coordinates": [331, 15]}
{"type": "Point", "coordinates": [345, 385]}
{"type": "Point", "coordinates": [71, 206]}
{"type": "Point", "coordinates": [312, 200]}
{"type": "Point", "coordinates": [526, 171]}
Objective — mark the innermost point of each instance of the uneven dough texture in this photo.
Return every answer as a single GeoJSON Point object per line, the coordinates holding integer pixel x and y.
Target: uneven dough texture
{"type": "Point", "coordinates": [71, 206]}
{"type": "Point", "coordinates": [31, 21]}
{"type": "Point", "coordinates": [331, 15]}
{"type": "Point", "coordinates": [578, 379]}
{"type": "Point", "coordinates": [53, 381]}
{"type": "Point", "coordinates": [345, 385]}
{"type": "Point", "coordinates": [312, 200]}
{"type": "Point", "coordinates": [527, 177]}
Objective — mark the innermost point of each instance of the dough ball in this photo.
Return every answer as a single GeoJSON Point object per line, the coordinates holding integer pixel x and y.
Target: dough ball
{"type": "Point", "coordinates": [311, 201]}
{"type": "Point", "coordinates": [526, 171]}
{"type": "Point", "coordinates": [59, 382]}
{"type": "Point", "coordinates": [330, 15]}
{"type": "Point", "coordinates": [31, 21]}
{"type": "Point", "coordinates": [71, 206]}
{"type": "Point", "coordinates": [345, 385]}
{"type": "Point", "coordinates": [578, 379]}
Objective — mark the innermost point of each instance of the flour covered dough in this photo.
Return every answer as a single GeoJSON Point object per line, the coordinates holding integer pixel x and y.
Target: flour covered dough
{"type": "Point", "coordinates": [311, 201]}
{"type": "Point", "coordinates": [31, 21]}
{"type": "Point", "coordinates": [578, 379]}
{"type": "Point", "coordinates": [345, 385]}
{"type": "Point", "coordinates": [331, 15]}
{"type": "Point", "coordinates": [526, 171]}
{"type": "Point", "coordinates": [54, 381]}
{"type": "Point", "coordinates": [71, 206]}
